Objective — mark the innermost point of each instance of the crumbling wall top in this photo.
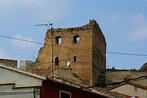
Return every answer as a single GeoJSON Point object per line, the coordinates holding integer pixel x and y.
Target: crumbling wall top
{"type": "Point", "coordinates": [85, 27]}
{"type": "Point", "coordinates": [92, 21]}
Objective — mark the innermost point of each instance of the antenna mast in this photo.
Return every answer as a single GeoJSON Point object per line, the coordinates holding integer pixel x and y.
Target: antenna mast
{"type": "Point", "coordinates": [49, 25]}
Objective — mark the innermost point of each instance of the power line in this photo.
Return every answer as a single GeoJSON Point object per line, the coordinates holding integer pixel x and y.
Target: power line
{"type": "Point", "coordinates": [127, 53]}
{"type": "Point", "coordinates": [117, 53]}
{"type": "Point", "coordinates": [20, 39]}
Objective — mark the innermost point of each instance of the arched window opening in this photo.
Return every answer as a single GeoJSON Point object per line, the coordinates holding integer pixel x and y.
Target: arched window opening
{"type": "Point", "coordinates": [56, 61]}
{"type": "Point", "coordinates": [76, 39]}
{"type": "Point", "coordinates": [58, 40]}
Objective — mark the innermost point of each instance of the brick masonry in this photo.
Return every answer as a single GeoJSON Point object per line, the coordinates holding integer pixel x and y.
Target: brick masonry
{"type": "Point", "coordinates": [84, 47]}
{"type": "Point", "coordinates": [9, 62]}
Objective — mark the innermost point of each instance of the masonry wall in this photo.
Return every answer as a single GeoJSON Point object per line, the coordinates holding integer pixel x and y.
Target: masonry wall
{"type": "Point", "coordinates": [99, 52]}
{"type": "Point", "coordinates": [8, 62]}
{"type": "Point", "coordinates": [27, 66]}
{"type": "Point", "coordinates": [67, 51]}
{"type": "Point", "coordinates": [131, 90]}
{"type": "Point", "coordinates": [117, 76]}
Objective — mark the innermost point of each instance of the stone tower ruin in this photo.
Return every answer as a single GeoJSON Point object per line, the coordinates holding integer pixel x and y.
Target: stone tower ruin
{"type": "Point", "coordinates": [79, 49]}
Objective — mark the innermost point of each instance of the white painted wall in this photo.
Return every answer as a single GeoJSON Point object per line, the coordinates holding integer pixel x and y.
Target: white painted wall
{"type": "Point", "coordinates": [7, 91]}
{"type": "Point", "coordinates": [20, 78]}
{"type": "Point", "coordinates": [22, 82]}
{"type": "Point", "coordinates": [131, 90]}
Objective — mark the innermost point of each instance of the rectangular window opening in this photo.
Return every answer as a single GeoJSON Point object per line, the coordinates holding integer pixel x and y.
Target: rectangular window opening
{"type": "Point", "coordinates": [58, 40]}
{"type": "Point", "coordinates": [64, 94]}
{"type": "Point", "coordinates": [75, 59]}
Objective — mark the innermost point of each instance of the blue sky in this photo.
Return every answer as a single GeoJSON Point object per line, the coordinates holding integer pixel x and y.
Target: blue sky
{"type": "Point", "coordinates": [123, 22]}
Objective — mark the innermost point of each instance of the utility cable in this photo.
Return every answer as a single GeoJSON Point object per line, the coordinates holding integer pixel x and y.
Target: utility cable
{"type": "Point", "coordinates": [110, 52]}
{"type": "Point", "coordinates": [127, 53]}
{"type": "Point", "coordinates": [20, 39]}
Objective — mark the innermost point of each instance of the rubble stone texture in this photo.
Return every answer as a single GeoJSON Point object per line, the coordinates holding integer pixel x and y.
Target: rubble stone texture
{"type": "Point", "coordinates": [84, 48]}
{"type": "Point", "coordinates": [9, 62]}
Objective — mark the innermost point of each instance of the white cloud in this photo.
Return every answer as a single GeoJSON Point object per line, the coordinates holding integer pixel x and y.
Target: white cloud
{"type": "Point", "coordinates": [21, 42]}
{"type": "Point", "coordinates": [36, 9]}
{"type": "Point", "coordinates": [138, 19]}
{"type": "Point", "coordinates": [137, 23]}
{"type": "Point", "coordinates": [139, 33]}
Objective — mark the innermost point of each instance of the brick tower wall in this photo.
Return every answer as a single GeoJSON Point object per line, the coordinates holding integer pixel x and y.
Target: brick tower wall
{"type": "Point", "coordinates": [66, 51]}
{"type": "Point", "coordinates": [99, 52]}
{"type": "Point", "coordinates": [83, 50]}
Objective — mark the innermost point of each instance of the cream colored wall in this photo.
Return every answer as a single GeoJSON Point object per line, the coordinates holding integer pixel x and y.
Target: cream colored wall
{"type": "Point", "coordinates": [131, 90]}
{"type": "Point", "coordinates": [116, 76]}
{"type": "Point", "coordinates": [8, 91]}
{"type": "Point", "coordinates": [15, 83]}
{"type": "Point", "coordinates": [20, 78]}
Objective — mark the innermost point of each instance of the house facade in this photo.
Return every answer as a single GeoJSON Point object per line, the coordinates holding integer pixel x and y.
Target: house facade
{"type": "Point", "coordinates": [121, 75]}
{"type": "Point", "coordinates": [15, 83]}
{"type": "Point", "coordinates": [131, 89]}
{"type": "Point", "coordinates": [52, 88]}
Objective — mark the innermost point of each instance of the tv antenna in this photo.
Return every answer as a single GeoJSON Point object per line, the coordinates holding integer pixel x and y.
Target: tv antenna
{"type": "Point", "coordinates": [49, 25]}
